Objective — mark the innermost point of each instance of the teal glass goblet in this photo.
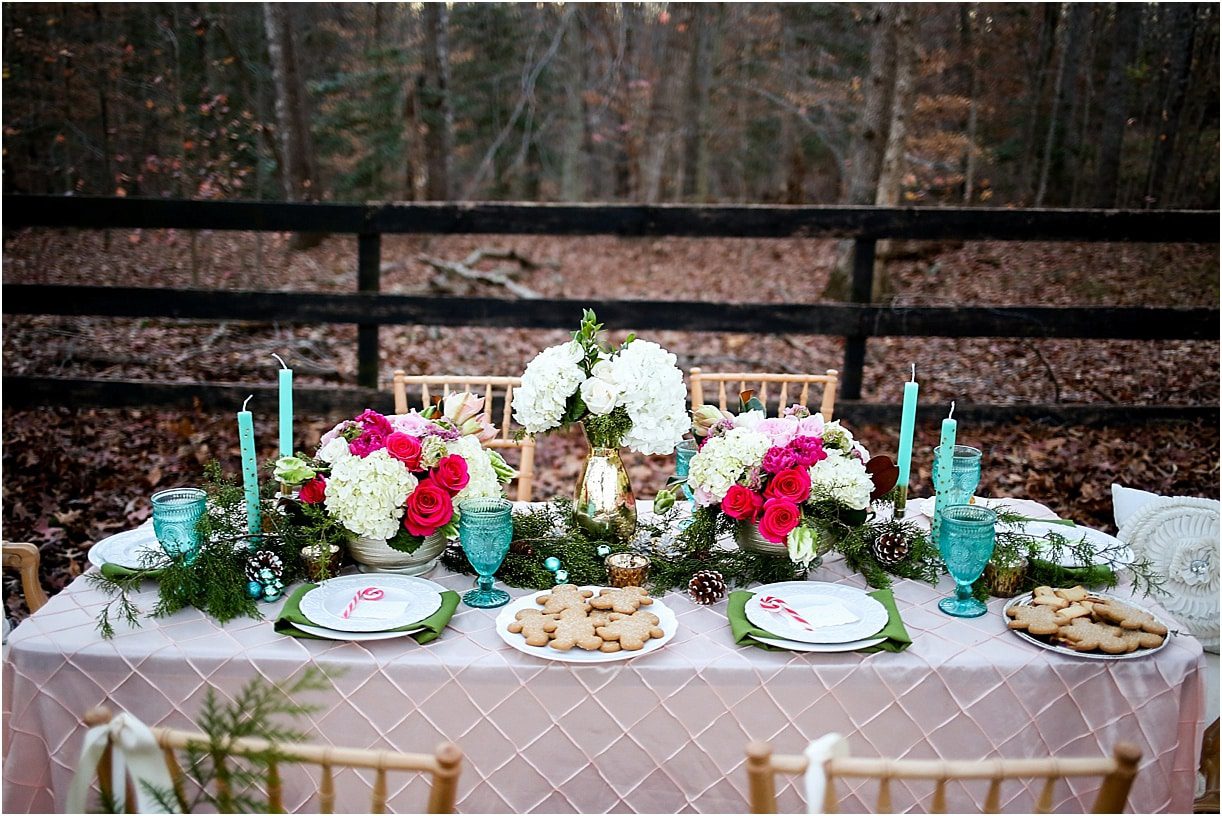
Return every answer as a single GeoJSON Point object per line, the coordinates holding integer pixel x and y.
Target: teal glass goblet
{"type": "Point", "coordinates": [684, 452]}
{"type": "Point", "coordinates": [176, 512]}
{"type": "Point", "coordinates": [965, 540]}
{"type": "Point", "coordinates": [956, 487]}
{"type": "Point", "coordinates": [485, 528]}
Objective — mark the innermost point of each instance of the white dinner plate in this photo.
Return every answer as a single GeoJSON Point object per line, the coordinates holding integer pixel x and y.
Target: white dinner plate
{"type": "Point", "coordinates": [406, 599]}
{"type": "Point", "coordinates": [667, 622]}
{"type": "Point", "coordinates": [331, 634]}
{"type": "Point", "coordinates": [1114, 552]}
{"type": "Point", "coordinates": [1065, 650]}
{"type": "Point", "coordinates": [870, 615]}
{"type": "Point", "coordinates": [821, 648]}
{"type": "Point", "coordinates": [126, 549]}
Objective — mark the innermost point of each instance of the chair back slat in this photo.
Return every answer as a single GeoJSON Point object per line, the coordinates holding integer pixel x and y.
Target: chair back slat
{"type": "Point", "coordinates": [474, 384]}
{"type": "Point", "coordinates": [177, 778]}
{"type": "Point", "coordinates": [1118, 772]}
{"type": "Point", "coordinates": [745, 381]}
{"type": "Point", "coordinates": [377, 803]}
{"type": "Point", "coordinates": [326, 789]}
{"type": "Point", "coordinates": [275, 793]}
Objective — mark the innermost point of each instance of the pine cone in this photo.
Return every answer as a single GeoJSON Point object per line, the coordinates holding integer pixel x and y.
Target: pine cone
{"type": "Point", "coordinates": [264, 560]}
{"type": "Point", "coordinates": [521, 548]}
{"type": "Point", "coordinates": [706, 587]}
{"type": "Point", "coordinates": [890, 548]}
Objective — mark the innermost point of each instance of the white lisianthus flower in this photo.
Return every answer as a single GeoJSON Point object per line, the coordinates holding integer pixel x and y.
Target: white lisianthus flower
{"type": "Point", "coordinates": [600, 396]}
{"type": "Point", "coordinates": [548, 382]}
{"type": "Point", "coordinates": [483, 482]}
{"type": "Point", "coordinates": [334, 450]}
{"type": "Point", "coordinates": [842, 479]}
{"type": "Point", "coordinates": [724, 460]}
{"type": "Point", "coordinates": [367, 494]}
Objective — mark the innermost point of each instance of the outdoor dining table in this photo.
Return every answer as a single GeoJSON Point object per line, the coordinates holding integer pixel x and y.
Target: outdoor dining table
{"type": "Point", "coordinates": [664, 732]}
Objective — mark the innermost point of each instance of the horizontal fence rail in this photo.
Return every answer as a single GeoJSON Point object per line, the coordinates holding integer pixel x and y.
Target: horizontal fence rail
{"type": "Point", "coordinates": [856, 320]}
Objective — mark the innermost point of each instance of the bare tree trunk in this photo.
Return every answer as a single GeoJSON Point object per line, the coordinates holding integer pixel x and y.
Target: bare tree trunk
{"type": "Point", "coordinates": [700, 83]}
{"type": "Point", "coordinates": [1116, 109]}
{"type": "Point", "coordinates": [1050, 139]}
{"type": "Point", "coordinates": [1183, 31]}
{"type": "Point", "coordinates": [298, 174]}
{"type": "Point", "coordinates": [1047, 46]}
{"type": "Point", "coordinates": [972, 48]}
{"type": "Point", "coordinates": [572, 163]}
{"type": "Point", "coordinates": [435, 106]}
{"type": "Point", "coordinates": [902, 98]}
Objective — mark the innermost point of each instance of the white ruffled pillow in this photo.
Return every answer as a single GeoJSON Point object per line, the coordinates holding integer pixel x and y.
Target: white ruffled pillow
{"type": "Point", "coordinates": [1179, 535]}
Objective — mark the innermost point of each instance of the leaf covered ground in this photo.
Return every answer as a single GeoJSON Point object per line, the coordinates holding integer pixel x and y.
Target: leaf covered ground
{"type": "Point", "coordinates": [75, 475]}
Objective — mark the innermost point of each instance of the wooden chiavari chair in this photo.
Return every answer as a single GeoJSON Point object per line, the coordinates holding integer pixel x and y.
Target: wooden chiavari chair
{"type": "Point", "coordinates": [1117, 771]}
{"type": "Point", "coordinates": [800, 383]}
{"type": "Point", "coordinates": [445, 765]}
{"type": "Point", "coordinates": [480, 386]}
{"type": "Point", "coordinates": [24, 558]}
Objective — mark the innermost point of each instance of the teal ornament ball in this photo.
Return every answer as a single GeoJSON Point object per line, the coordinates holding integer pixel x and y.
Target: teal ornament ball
{"type": "Point", "coordinates": [254, 589]}
{"type": "Point", "coordinates": [551, 563]}
{"type": "Point", "coordinates": [562, 576]}
{"type": "Point", "coordinates": [603, 551]}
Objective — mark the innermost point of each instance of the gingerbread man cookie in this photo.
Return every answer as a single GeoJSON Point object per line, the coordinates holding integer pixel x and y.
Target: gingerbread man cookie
{"type": "Point", "coordinates": [631, 631]}
{"type": "Point", "coordinates": [624, 600]}
{"type": "Point", "coordinates": [537, 627]}
{"type": "Point", "coordinates": [1084, 635]}
{"type": "Point", "coordinates": [1046, 596]}
{"type": "Point", "coordinates": [575, 628]}
{"type": "Point", "coordinates": [1128, 617]}
{"type": "Point", "coordinates": [1037, 620]}
{"type": "Point", "coordinates": [564, 596]}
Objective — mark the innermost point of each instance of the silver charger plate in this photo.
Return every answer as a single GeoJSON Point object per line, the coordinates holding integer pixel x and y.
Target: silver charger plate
{"type": "Point", "coordinates": [1065, 650]}
{"type": "Point", "coordinates": [820, 648]}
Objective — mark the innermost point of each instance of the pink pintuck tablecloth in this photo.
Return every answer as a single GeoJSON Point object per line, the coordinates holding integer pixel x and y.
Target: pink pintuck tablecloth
{"type": "Point", "coordinates": [663, 733]}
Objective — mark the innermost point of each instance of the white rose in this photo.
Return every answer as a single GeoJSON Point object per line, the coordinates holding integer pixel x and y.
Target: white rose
{"type": "Point", "coordinates": [599, 396]}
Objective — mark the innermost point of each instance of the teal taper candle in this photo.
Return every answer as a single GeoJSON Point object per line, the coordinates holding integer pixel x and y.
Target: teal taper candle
{"type": "Point", "coordinates": [286, 410]}
{"type": "Point", "coordinates": [907, 430]}
{"type": "Point", "coordinates": [945, 469]}
{"type": "Point", "coordinates": [250, 469]}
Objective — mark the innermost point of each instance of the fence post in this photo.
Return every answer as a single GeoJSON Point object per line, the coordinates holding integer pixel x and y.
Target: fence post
{"type": "Point", "coordinates": [855, 344]}
{"type": "Point", "coordinates": [368, 279]}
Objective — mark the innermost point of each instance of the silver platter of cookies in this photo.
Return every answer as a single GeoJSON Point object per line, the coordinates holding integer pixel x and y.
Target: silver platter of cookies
{"type": "Point", "coordinates": [587, 624]}
{"type": "Point", "coordinates": [1077, 622]}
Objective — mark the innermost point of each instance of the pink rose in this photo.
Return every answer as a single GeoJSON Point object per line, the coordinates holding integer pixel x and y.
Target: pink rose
{"type": "Point", "coordinates": [429, 508]}
{"type": "Point", "coordinates": [780, 518]}
{"type": "Point", "coordinates": [451, 473]}
{"type": "Point", "coordinates": [791, 485]}
{"type": "Point", "coordinates": [778, 459]}
{"type": "Point", "coordinates": [405, 448]}
{"type": "Point", "coordinates": [741, 503]}
{"type": "Point", "coordinates": [313, 491]}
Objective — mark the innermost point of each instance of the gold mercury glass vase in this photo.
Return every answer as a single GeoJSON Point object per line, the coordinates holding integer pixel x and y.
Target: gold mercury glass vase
{"type": "Point", "coordinates": [604, 502]}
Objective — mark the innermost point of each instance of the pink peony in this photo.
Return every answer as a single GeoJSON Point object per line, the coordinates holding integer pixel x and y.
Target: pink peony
{"type": "Point", "coordinates": [741, 503]}
{"type": "Point", "coordinates": [811, 426]}
{"type": "Point", "coordinates": [429, 508]}
{"type": "Point", "coordinates": [313, 491]}
{"type": "Point", "coordinates": [807, 450]}
{"type": "Point", "coordinates": [451, 473]}
{"type": "Point", "coordinates": [792, 485]}
{"type": "Point", "coordinates": [405, 448]}
{"type": "Point", "coordinates": [411, 423]}
{"type": "Point", "coordinates": [778, 459]}
{"type": "Point", "coordinates": [780, 518]}
{"type": "Point", "coordinates": [371, 420]}
{"type": "Point", "coordinates": [779, 429]}
{"type": "Point", "coordinates": [367, 443]}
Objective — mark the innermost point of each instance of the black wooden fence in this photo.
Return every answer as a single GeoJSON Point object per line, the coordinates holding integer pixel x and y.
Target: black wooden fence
{"type": "Point", "coordinates": [856, 320]}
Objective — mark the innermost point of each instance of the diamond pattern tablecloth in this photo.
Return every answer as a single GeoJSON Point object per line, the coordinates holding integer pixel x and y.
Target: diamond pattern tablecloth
{"type": "Point", "coordinates": [663, 733]}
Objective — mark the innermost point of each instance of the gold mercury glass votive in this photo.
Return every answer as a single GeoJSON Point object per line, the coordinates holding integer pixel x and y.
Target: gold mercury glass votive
{"type": "Point", "coordinates": [627, 569]}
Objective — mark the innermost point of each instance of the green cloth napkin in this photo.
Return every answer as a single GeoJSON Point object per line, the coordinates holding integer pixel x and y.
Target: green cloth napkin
{"type": "Point", "coordinates": [291, 615]}
{"type": "Point", "coordinates": [115, 571]}
{"type": "Point", "coordinates": [745, 632]}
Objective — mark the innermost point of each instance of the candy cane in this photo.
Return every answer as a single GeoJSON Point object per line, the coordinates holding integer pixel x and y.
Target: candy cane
{"type": "Point", "coordinates": [777, 605]}
{"type": "Point", "coordinates": [366, 594]}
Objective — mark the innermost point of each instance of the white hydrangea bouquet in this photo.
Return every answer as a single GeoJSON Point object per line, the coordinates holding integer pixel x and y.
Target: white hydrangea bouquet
{"type": "Point", "coordinates": [400, 478]}
{"type": "Point", "coordinates": [627, 396]}
{"type": "Point", "coordinates": [794, 480]}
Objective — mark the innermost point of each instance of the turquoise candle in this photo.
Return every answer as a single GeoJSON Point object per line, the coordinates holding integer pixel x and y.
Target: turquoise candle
{"type": "Point", "coordinates": [907, 430]}
{"type": "Point", "coordinates": [946, 457]}
{"type": "Point", "coordinates": [250, 469]}
{"type": "Point", "coordinates": [286, 408]}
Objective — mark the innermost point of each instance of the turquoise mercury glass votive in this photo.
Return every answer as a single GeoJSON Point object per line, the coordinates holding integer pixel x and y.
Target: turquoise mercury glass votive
{"type": "Point", "coordinates": [485, 528]}
{"type": "Point", "coordinates": [965, 540]}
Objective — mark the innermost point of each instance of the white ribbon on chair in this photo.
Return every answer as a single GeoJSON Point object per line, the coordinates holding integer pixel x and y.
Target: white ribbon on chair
{"type": "Point", "coordinates": [829, 746]}
{"type": "Point", "coordinates": [135, 750]}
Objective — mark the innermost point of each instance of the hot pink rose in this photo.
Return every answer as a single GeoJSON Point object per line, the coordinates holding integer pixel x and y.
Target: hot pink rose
{"type": "Point", "coordinates": [429, 508]}
{"type": "Point", "coordinates": [451, 473]}
{"type": "Point", "coordinates": [792, 485]}
{"type": "Point", "coordinates": [741, 503]}
{"type": "Point", "coordinates": [313, 491]}
{"type": "Point", "coordinates": [405, 448]}
{"type": "Point", "coordinates": [780, 518]}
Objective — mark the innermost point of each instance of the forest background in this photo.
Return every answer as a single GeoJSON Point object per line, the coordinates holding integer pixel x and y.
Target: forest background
{"type": "Point", "coordinates": [964, 104]}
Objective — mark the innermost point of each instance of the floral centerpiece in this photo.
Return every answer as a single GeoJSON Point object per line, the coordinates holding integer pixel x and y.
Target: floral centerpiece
{"type": "Point", "coordinates": [793, 483]}
{"type": "Point", "coordinates": [393, 483]}
{"type": "Point", "coordinates": [631, 395]}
